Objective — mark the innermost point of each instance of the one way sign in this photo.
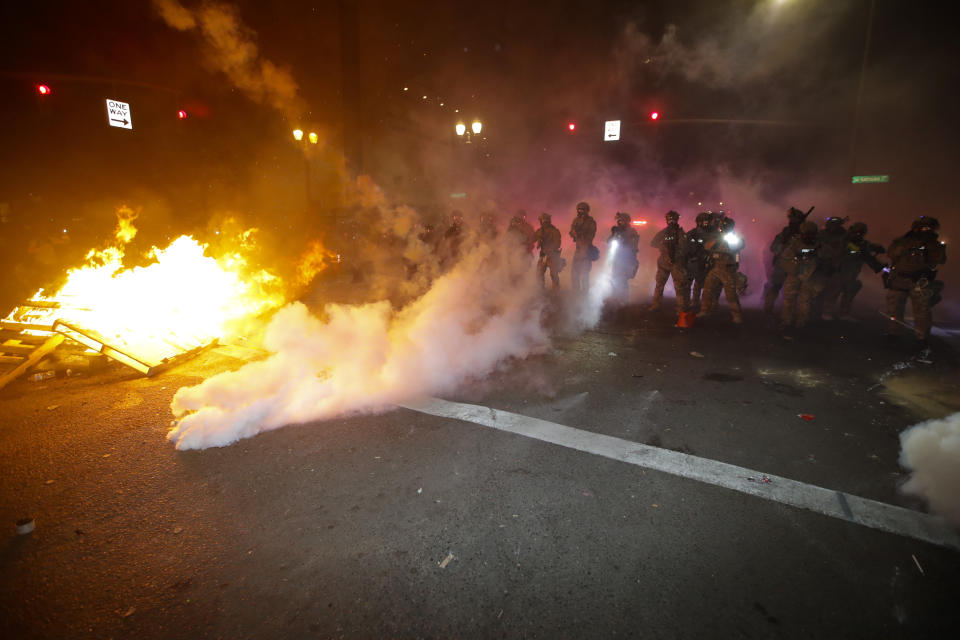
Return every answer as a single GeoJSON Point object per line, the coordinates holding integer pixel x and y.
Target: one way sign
{"type": "Point", "coordinates": [118, 114]}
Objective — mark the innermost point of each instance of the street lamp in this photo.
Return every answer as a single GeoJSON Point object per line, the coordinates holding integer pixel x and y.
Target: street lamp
{"type": "Point", "coordinates": [314, 138]}
{"type": "Point", "coordinates": [298, 134]}
{"type": "Point", "coordinates": [476, 127]}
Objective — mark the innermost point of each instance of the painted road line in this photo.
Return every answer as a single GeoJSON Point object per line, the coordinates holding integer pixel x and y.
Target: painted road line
{"type": "Point", "coordinates": [844, 506]}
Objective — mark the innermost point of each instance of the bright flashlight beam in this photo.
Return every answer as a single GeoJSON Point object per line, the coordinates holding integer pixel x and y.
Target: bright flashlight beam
{"type": "Point", "coordinates": [733, 240]}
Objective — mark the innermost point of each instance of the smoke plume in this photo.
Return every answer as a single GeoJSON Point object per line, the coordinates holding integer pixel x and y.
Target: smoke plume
{"type": "Point", "coordinates": [931, 451]}
{"type": "Point", "coordinates": [231, 48]}
{"type": "Point", "coordinates": [364, 358]}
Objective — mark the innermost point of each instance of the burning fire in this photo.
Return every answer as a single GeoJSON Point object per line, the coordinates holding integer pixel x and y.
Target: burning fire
{"type": "Point", "coordinates": [182, 300]}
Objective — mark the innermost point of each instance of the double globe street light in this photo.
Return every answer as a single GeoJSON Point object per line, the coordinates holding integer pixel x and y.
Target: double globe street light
{"type": "Point", "coordinates": [462, 132]}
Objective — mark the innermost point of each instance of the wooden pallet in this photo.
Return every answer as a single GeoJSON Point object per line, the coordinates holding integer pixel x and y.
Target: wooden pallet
{"type": "Point", "coordinates": [26, 339]}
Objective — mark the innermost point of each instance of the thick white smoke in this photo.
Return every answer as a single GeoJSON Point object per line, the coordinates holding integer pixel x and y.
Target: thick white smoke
{"type": "Point", "coordinates": [365, 358]}
{"type": "Point", "coordinates": [931, 451]}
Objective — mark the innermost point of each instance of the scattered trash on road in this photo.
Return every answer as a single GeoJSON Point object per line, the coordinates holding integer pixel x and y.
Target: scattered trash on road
{"type": "Point", "coordinates": [697, 354]}
{"type": "Point", "coordinates": [52, 407]}
{"type": "Point", "coordinates": [419, 491]}
{"type": "Point", "coordinates": [128, 612]}
{"type": "Point", "coordinates": [805, 416]}
{"type": "Point", "coordinates": [43, 375]}
{"type": "Point", "coordinates": [48, 482]}
{"type": "Point", "coordinates": [446, 561]}
{"type": "Point", "coordinates": [764, 479]}
{"type": "Point", "coordinates": [917, 562]}
{"type": "Point", "coordinates": [612, 354]}
{"type": "Point", "coordinates": [25, 526]}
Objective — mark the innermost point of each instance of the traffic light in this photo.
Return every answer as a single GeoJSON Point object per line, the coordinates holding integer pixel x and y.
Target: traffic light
{"type": "Point", "coordinates": [182, 115]}
{"type": "Point", "coordinates": [571, 126]}
{"type": "Point", "coordinates": [43, 89]}
{"type": "Point", "coordinates": [654, 115]}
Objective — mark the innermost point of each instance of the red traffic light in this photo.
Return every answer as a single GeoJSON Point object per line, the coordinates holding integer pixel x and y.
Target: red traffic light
{"type": "Point", "coordinates": [571, 126]}
{"type": "Point", "coordinates": [654, 115]}
{"type": "Point", "coordinates": [181, 114]}
{"type": "Point", "coordinates": [43, 89]}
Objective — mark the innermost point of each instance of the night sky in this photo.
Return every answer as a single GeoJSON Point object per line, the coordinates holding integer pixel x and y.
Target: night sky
{"type": "Point", "coordinates": [524, 69]}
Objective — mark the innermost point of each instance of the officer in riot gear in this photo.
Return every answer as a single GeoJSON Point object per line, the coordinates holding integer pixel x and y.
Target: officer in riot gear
{"type": "Point", "coordinates": [833, 240]}
{"type": "Point", "coordinates": [548, 239]}
{"type": "Point", "coordinates": [698, 258]}
{"type": "Point", "coordinates": [857, 251]}
{"type": "Point", "coordinates": [914, 258]}
{"type": "Point", "coordinates": [724, 249]}
{"type": "Point", "coordinates": [520, 232]}
{"type": "Point", "coordinates": [624, 241]}
{"type": "Point", "coordinates": [800, 260]}
{"type": "Point", "coordinates": [582, 230]}
{"type": "Point", "coordinates": [671, 243]}
{"type": "Point", "coordinates": [795, 217]}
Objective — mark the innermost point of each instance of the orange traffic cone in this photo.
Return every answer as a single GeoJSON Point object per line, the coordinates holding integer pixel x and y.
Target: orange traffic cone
{"type": "Point", "coordinates": [685, 320]}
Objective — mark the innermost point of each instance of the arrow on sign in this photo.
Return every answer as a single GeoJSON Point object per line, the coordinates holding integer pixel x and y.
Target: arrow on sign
{"type": "Point", "coordinates": [124, 121]}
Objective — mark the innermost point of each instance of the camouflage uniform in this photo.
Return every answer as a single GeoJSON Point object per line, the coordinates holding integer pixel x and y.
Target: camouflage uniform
{"type": "Point", "coordinates": [800, 261]}
{"type": "Point", "coordinates": [724, 272]}
{"type": "Point", "coordinates": [583, 230]}
{"type": "Point", "coordinates": [856, 252]}
{"type": "Point", "coordinates": [833, 246]}
{"type": "Point", "coordinates": [914, 258]}
{"type": "Point", "coordinates": [625, 262]}
{"type": "Point", "coordinates": [671, 242]}
{"type": "Point", "coordinates": [548, 238]}
{"type": "Point", "coordinates": [520, 232]}
{"type": "Point", "coordinates": [772, 288]}
{"type": "Point", "coordinates": [698, 259]}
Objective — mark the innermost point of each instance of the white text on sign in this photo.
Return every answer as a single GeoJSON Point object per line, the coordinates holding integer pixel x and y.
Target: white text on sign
{"type": "Point", "coordinates": [118, 114]}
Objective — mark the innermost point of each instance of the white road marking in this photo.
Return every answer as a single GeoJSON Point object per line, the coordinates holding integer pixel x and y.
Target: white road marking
{"type": "Point", "coordinates": [862, 511]}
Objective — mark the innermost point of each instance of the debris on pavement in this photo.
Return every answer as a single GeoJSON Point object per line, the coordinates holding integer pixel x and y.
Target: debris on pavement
{"type": "Point", "coordinates": [419, 491]}
{"type": "Point", "coordinates": [25, 526]}
{"type": "Point", "coordinates": [52, 407]}
{"type": "Point", "coordinates": [697, 354]}
{"type": "Point", "coordinates": [128, 612]}
{"type": "Point", "coordinates": [763, 479]}
{"type": "Point", "coordinates": [805, 416]}
{"type": "Point", "coordinates": [917, 562]}
{"type": "Point", "coordinates": [446, 561]}
{"type": "Point", "coordinates": [612, 354]}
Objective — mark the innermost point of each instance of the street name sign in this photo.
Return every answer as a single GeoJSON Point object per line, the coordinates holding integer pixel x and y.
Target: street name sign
{"type": "Point", "coordinates": [870, 179]}
{"type": "Point", "coordinates": [611, 130]}
{"type": "Point", "coordinates": [118, 114]}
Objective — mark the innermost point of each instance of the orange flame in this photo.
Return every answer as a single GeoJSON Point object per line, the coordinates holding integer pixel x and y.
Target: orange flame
{"type": "Point", "coordinates": [315, 259]}
{"type": "Point", "coordinates": [184, 298]}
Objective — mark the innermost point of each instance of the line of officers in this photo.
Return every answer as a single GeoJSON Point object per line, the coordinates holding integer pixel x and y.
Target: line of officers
{"type": "Point", "coordinates": [816, 269]}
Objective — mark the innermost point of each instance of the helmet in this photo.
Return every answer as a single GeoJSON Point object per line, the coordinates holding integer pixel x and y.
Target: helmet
{"type": "Point", "coordinates": [703, 219]}
{"type": "Point", "coordinates": [583, 206]}
{"type": "Point", "coordinates": [858, 229]}
{"type": "Point", "coordinates": [809, 229]}
{"type": "Point", "coordinates": [925, 223]}
{"type": "Point", "coordinates": [795, 214]}
{"type": "Point", "coordinates": [833, 222]}
{"type": "Point", "coordinates": [672, 216]}
{"type": "Point", "coordinates": [727, 224]}
{"type": "Point", "coordinates": [544, 217]}
{"type": "Point", "coordinates": [623, 217]}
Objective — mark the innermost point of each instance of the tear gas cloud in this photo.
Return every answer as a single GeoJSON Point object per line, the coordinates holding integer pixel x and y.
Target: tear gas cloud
{"type": "Point", "coordinates": [931, 452]}
{"type": "Point", "coordinates": [364, 358]}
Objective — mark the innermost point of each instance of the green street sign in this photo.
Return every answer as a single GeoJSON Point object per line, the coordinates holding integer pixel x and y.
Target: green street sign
{"type": "Point", "coordinates": [869, 179]}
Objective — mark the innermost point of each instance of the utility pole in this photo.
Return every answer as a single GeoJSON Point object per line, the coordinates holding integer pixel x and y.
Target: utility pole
{"type": "Point", "coordinates": [350, 91]}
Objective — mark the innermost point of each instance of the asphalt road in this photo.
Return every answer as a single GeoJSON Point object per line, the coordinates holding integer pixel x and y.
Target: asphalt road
{"type": "Point", "coordinates": [411, 525]}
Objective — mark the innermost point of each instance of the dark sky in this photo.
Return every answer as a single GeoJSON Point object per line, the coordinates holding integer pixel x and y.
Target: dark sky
{"type": "Point", "coordinates": [524, 68]}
